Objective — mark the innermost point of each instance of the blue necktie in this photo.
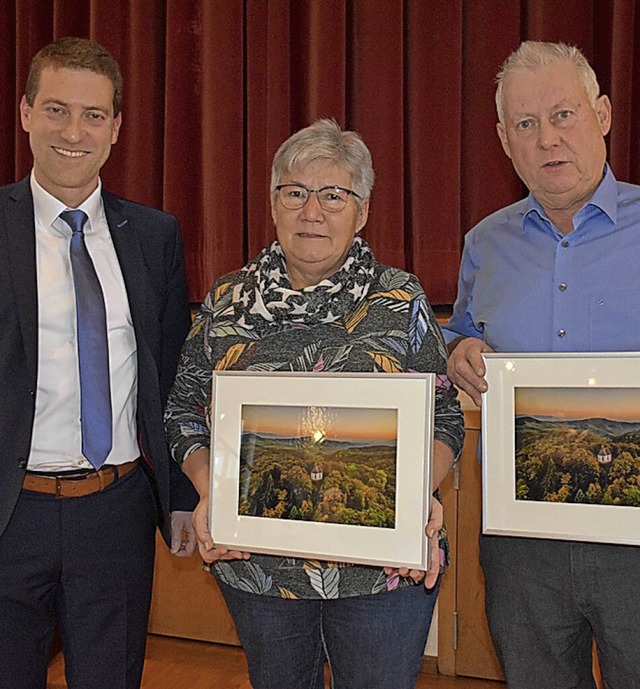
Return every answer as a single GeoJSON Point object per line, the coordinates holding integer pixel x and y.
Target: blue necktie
{"type": "Point", "coordinates": [93, 348]}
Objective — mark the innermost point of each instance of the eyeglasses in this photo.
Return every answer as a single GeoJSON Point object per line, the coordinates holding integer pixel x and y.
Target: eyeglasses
{"type": "Point", "coordinates": [331, 199]}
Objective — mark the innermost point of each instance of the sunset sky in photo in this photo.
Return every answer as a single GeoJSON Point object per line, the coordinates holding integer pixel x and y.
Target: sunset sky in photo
{"type": "Point", "coordinates": [335, 423]}
{"type": "Point", "coordinates": [619, 404]}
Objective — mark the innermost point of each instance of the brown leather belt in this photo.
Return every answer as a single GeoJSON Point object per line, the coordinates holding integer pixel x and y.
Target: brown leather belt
{"type": "Point", "coordinates": [80, 485]}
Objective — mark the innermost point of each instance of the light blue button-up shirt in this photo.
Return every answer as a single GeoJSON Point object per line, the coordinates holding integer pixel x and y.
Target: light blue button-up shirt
{"type": "Point", "coordinates": [526, 287]}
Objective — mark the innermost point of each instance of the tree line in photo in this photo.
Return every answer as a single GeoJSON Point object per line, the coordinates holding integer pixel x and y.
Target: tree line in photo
{"type": "Point", "coordinates": [594, 461]}
{"type": "Point", "coordinates": [354, 484]}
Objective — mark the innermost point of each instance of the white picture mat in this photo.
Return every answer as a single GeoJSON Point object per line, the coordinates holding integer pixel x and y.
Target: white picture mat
{"type": "Point", "coordinates": [502, 513]}
{"type": "Point", "coordinates": [412, 395]}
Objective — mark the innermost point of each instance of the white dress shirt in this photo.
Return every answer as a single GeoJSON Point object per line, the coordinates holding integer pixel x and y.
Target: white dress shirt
{"type": "Point", "coordinates": [57, 440]}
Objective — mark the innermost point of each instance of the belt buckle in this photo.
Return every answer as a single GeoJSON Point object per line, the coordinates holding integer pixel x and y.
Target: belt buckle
{"type": "Point", "coordinates": [58, 487]}
{"type": "Point", "coordinates": [103, 476]}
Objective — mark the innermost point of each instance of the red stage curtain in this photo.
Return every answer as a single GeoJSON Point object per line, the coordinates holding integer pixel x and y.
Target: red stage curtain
{"type": "Point", "coordinates": [212, 87]}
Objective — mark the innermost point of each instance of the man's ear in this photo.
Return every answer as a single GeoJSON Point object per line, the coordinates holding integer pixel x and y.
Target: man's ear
{"type": "Point", "coordinates": [603, 112]}
{"type": "Point", "coordinates": [117, 123]}
{"type": "Point", "coordinates": [25, 114]}
{"type": "Point", "coordinates": [502, 135]}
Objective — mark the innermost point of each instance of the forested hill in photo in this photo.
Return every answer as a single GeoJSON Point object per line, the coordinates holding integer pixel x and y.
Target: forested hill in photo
{"type": "Point", "coordinates": [345, 482]}
{"type": "Point", "coordinates": [594, 461]}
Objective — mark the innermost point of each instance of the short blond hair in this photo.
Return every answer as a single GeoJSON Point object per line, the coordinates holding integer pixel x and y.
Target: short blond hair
{"type": "Point", "coordinates": [536, 54]}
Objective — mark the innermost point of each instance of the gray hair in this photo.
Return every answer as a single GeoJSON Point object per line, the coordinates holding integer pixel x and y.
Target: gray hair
{"type": "Point", "coordinates": [536, 54]}
{"type": "Point", "coordinates": [325, 140]}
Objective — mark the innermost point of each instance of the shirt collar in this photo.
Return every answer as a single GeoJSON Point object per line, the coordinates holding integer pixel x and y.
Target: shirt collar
{"type": "Point", "coordinates": [605, 199]}
{"type": "Point", "coordinates": [47, 207]}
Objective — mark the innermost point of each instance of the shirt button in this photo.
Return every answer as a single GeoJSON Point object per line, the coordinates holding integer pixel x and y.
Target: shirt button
{"type": "Point", "coordinates": [565, 243]}
{"type": "Point", "coordinates": [562, 286]}
{"type": "Point", "coordinates": [562, 333]}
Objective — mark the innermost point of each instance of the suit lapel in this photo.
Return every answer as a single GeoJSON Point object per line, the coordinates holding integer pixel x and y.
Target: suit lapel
{"type": "Point", "coordinates": [20, 237]}
{"type": "Point", "coordinates": [135, 273]}
{"type": "Point", "coordinates": [127, 246]}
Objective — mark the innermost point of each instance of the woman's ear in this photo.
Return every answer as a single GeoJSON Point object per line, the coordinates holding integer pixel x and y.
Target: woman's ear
{"type": "Point", "coordinates": [363, 214]}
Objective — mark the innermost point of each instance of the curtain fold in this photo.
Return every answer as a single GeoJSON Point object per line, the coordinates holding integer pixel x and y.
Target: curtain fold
{"type": "Point", "coordinates": [213, 87]}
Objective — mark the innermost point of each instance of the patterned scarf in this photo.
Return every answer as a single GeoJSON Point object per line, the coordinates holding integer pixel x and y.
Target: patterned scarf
{"type": "Point", "coordinates": [265, 298]}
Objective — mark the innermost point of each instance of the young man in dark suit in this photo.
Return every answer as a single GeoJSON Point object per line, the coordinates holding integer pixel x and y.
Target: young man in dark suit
{"type": "Point", "coordinates": [93, 313]}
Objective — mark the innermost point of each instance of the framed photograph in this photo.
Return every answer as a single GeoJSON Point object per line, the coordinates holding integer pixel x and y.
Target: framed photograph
{"type": "Point", "coordinates": [330, 466]}
{"type": "Point", "coordinates": [561, 446]}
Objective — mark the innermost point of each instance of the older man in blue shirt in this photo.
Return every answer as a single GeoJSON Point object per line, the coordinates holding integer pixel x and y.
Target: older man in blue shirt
{"type": "Point", "coordinates": [555, 272]}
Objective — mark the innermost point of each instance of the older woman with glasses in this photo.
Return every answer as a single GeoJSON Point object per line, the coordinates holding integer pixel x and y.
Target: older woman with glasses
{"type": "Point", "coordinates": [316, 299]}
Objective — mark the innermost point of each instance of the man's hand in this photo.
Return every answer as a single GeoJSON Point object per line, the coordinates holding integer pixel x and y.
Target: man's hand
{"type": "Point", "coordinates": [183, 537]}
{"type": "Point", "coordinates": [466, 369]}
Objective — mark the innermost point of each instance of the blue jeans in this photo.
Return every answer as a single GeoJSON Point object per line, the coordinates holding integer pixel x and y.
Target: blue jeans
{"type": "Point", "coordinates": [370, 642]}
{"type": "Point", "coordinates": [547, 600]}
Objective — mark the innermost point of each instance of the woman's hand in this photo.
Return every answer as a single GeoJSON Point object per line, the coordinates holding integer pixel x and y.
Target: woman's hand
{"type": "Point", "coordinates": [208, 550]}
{"type": "Point", "coordinates": [196, 467]}
{"type": "Point", "coordinates": [432, 531]}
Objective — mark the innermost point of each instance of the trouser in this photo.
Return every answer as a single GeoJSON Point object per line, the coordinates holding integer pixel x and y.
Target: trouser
{"type": "Point", "coordinates": [85, 564]}
{"type": "Point", "coordinates": [546, 602]}
{"type": "Point", "coordinates": [370, 642]}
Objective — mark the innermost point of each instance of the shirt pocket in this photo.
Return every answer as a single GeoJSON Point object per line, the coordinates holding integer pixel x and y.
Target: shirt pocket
{"type": "Point", "coordinates": [614, 321]}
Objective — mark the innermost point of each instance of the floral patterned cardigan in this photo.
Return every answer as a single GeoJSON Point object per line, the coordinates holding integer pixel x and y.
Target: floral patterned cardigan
{"type": "Point", "coordinates": [391, 329]}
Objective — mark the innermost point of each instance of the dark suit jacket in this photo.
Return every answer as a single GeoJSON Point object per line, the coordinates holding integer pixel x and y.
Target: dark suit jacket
{"type": "Point", "coordinates": [147, 242]}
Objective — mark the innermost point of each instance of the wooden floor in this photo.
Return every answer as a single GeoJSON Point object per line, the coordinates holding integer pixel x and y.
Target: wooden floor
{"type": "Point", "coordinates": [180, 664]}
